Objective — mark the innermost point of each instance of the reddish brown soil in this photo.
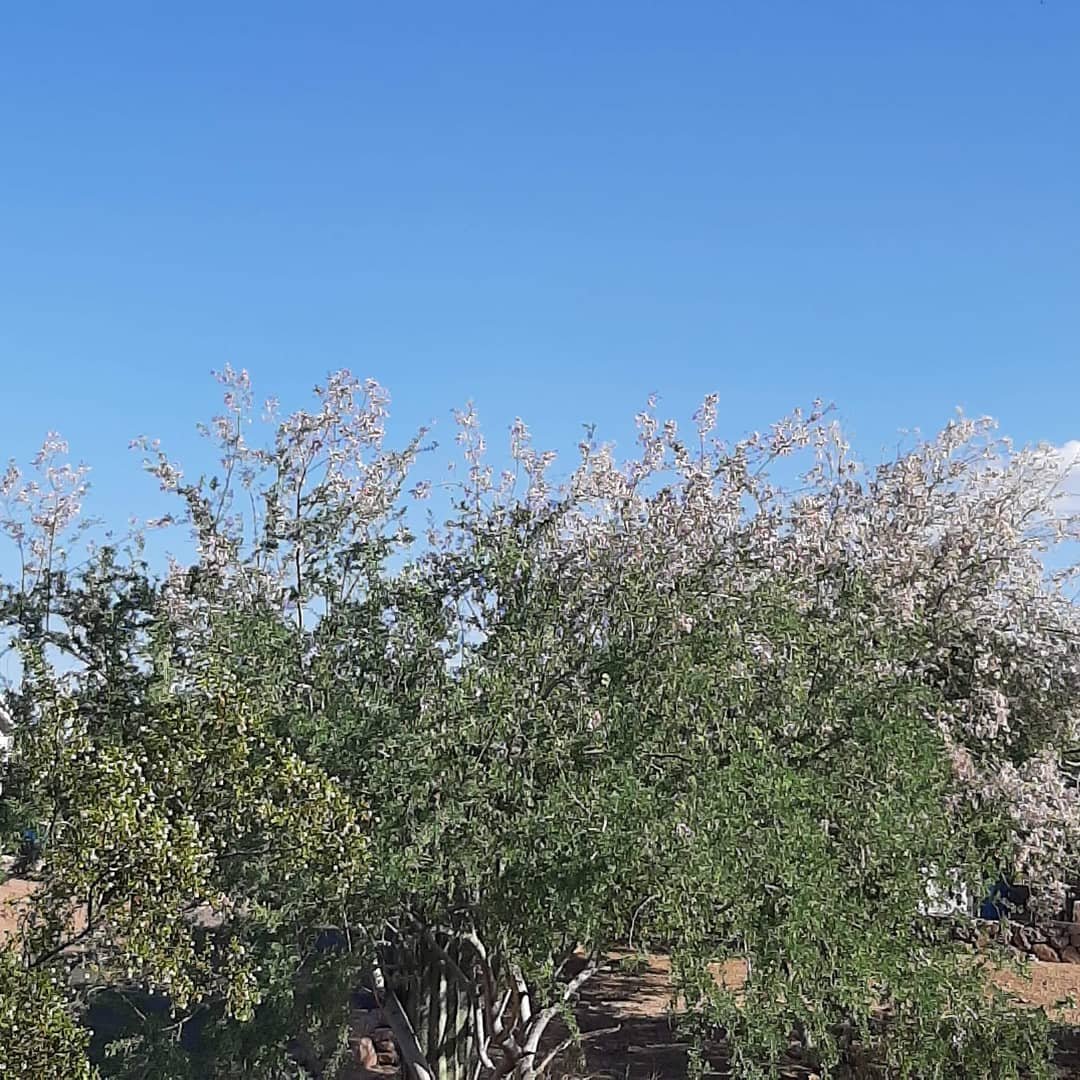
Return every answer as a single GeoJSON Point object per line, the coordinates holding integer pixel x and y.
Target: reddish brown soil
{"type": "Point", "coordinates": [12, 893]}
{"type": "Point", "coordinates": [647, 1047]}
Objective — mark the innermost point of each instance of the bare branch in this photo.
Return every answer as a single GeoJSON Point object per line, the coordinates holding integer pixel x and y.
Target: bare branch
{"type": "Point", "coordinates": [571, 1041]}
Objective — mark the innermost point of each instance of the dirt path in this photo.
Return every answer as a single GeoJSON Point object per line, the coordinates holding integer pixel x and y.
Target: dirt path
{"type": "Point", "coordinates": [648, 1048]}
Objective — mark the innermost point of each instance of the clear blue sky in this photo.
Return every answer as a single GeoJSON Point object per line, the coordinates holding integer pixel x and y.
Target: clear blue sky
{"type": "Point", "coordinates": [552, 208]}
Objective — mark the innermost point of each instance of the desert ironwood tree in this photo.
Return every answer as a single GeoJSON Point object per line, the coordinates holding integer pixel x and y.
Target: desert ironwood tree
{"type": "Point", "coordinates": [667, 703]}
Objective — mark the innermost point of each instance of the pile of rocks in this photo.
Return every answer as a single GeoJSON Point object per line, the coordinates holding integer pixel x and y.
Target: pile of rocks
{"type": "Point", "coordinates": [1051, 942]}
{"type": "Point", "coordinates": [373, 1046]}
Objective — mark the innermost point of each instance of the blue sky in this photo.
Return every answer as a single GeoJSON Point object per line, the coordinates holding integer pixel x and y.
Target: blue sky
{"type": "Point", "coordinates": [552, 208]}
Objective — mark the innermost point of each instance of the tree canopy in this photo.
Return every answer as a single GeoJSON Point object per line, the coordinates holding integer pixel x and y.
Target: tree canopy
{"type": "Point", "coordinates": [667, 703]}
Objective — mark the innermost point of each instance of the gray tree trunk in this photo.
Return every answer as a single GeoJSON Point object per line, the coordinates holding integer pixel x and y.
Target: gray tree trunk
{"type": "Point", "coordinates": [440, 1010]}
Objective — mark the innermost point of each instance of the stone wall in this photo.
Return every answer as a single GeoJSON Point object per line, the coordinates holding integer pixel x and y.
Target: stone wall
{"type": "Point", "coordinates": [1050, 941]}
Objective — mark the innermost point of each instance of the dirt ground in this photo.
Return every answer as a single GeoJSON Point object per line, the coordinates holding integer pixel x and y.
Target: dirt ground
{"type": "Point", "coordinates": [647, 1048]}
{"type": "Point", "coordinates": [12, 892]}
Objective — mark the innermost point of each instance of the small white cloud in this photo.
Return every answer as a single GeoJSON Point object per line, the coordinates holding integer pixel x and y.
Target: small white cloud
{"type": "Point", "coordinates": [1069, 454]}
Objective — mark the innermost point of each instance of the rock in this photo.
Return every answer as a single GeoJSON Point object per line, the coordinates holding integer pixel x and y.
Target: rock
{"type": "Point", "coordinates": [1021, 938]}
{"type": "Point", "coordinates": [364, 1053]}
{"type": "Point", "coordinates": [1058, 935]}
{"type": "Point", "coordinates": [1041, 951]}
{"type": "Point", "coordinates": [1070, 954]}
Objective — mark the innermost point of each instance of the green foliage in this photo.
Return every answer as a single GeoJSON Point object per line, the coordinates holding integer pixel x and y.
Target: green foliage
{"type": "Point", "coordinates": [205, 854]}
{"type": "Point", "coordinates": [38, 1036]}
{"type": "Point", "coordinates": [943, 1032]}
{"type": "Point", "coordinates": [200, 810]}
{"type": "Point", "coordinates": [624, 713]}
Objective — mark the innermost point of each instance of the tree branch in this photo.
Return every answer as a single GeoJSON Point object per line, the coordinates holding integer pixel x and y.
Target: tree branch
{"type": "Point", "coordinates": [572, 1040]}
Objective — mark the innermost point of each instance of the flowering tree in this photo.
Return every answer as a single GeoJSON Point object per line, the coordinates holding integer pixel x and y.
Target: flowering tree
{"type": "Point", "coordinates": [662, 703]}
